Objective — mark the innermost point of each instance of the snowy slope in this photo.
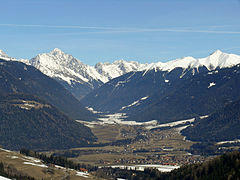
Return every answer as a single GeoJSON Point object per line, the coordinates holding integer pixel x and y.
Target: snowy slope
{"type": "Point", "coordinates": [216, 60]}
{"type": "Point", "coordinates": [63, 66]}
{"type": "Point", "coordinates": [117, 68]}
{"type": "Point", "coordinates": [60, 65]}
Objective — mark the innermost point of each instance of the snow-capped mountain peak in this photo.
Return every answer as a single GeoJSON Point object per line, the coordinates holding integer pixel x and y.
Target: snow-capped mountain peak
{"type": "Point", "coordinates": [4, 56]}
{"type": "Point", "coordinates": [117, 68]}
{"type": "Point", "coordinates": [60, 65]}
{"type": "Point", "coordinates": [57, 51]}
{"type": "Point", "coordinates": [218, 59]}
{"type": "Point", "coordinates": [216, 53]}
{"type": "Point", "coordinates": [2, 53]}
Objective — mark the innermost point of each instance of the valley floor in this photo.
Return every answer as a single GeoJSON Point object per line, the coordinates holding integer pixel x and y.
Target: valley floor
{"type": "Point", "coordinates": [123, 142]}
{"type": "Point", "coordinates": [129, 143]}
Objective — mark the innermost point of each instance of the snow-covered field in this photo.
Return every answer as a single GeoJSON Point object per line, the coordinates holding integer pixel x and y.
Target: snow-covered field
{"type": "Point", "coordinates": [118, 118]}
{"type": "Point", "coordinates": [161, 168]}
{"type": "Point", "coordinates": [3, 178]}
{"type": "Point", "coordinates": [172, 124]}
{"type": "Point", "coordinates": [231, 142]}
{"type": "Point", "coordinates": [34, 164]}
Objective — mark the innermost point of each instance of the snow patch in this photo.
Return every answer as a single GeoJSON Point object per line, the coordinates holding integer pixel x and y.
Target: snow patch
{"type": "Point", "coordinates": [82, 174]}
{"type": "Point", "coordinates": [32, 159]}
{"type": "Point", "coordinates": [135, 103]}
{"type": "Point", "coordinates": [4, 178]}
{"type": "Point", "coordinates": [5, 150]}
{"type": "Point", "coordinates": [34, 164]}
{"type": "Point", "coordinates": [179, 129]}
{"type": "Point", "coordinates": [161, 168]}
{"type": "Point", "coordinates": [118, 118]}
{"type": "Point", "coordinates": [13, 157]}
{"type": "Point", "coordinates": [172, 124]}
{"type": "Point", "coordinates": [92, 110]}
{"type": "Point", "coordinates": [211, 84]}
{"type": "Point", "coordinates": [203, 117]}
{"type": "Point", "coordinates": [231, 142]}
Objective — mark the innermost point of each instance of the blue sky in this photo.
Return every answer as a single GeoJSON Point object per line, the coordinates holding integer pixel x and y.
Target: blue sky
{"type": "Point", "coordinates": [108, 30]}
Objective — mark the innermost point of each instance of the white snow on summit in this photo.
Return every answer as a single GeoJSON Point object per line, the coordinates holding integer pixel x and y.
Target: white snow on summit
{"type": "Point", "coordinates": [63, 66]}
{"type": "Point", "coordinates": [117, 68]}
{"type": "Point", "coordinates": [4, 56]}
{"type": "Point", "coordinates": [217, 59]}
{"type": "Point", "coordinates": [60, 65]}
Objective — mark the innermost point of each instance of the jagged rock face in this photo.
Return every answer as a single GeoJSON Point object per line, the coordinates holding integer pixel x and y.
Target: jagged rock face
{"type": "Point", "coordinates": [76, 76]}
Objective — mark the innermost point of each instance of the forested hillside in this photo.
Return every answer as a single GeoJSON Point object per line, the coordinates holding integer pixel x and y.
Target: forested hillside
{"type": "Point", "coordinates": [16, 77]}
{"type": "Point", "coordinates": [222, 125]}
{"type": "Point", "coordinates": [28, 122]}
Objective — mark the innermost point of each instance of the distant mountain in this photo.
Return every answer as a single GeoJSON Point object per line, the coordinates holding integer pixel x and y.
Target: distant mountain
{"type": "Point", "coordinates": [117, 68]}
{"type": "Point", "coordinates": [70, 72]}
{"type": "Point", "coordinates": [218, 59]}
{"type": "Point", "coordinates": [192, 96]}
{"type": "Point", "coordinates": [76, 76]}
{"type": "Point", "coordinates": [28, 122]}
{"type": "Point", "coordinates": [170, 91]}
{"type": "Point", "coordinates": [222, 125]}
{"type": "Point", "coordinates": [16, 77]}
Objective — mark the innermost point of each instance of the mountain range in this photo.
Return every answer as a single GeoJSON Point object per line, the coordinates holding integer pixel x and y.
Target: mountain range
{"type": "Point", "coordinates": [82, 79]}
{"type": "Point", "coordinates": [167, 94]}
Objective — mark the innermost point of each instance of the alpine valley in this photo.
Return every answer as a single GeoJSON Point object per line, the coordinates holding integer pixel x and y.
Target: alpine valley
{"type": "Point", "coordinates": [122, 114]}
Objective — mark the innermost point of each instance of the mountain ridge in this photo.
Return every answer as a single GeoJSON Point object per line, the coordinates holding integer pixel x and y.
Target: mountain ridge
{"type": "Point", "coordinates": [81, 79]}
{"type": "Point", "coordinates": [166, 96]}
